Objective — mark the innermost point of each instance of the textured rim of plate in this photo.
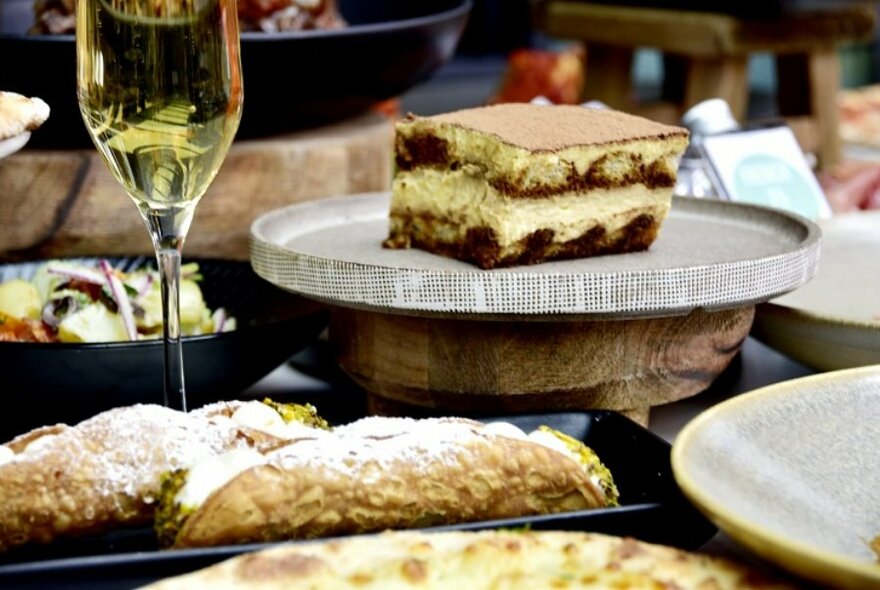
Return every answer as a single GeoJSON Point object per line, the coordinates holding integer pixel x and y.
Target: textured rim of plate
{"type": "Point", "coordinates": [624, 293]}
{"type": "Point", "coordinates": [844, 329]}
{"type": "Point", "coordinates": [843, 334]}
{"type": "Point", "coordinates": [729, 521]}
{"type": "Point", "coordinates": [820, 317]}
{"type": "Point", "coordinates": [823, 319]}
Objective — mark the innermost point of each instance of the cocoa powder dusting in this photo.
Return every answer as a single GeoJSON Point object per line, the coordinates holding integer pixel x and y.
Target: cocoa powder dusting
{"type": "Point", "coordinates": [550, 128]}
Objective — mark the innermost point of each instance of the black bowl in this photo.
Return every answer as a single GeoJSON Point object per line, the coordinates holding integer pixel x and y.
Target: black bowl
{"type": "Point", "coordinates": [291, 80]}
{"type": "Point", "coordinates": [63, 382]}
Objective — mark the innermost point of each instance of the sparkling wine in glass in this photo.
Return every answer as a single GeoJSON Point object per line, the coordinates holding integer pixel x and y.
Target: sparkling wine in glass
{"type": "Point", "coordinates": [160, 90]}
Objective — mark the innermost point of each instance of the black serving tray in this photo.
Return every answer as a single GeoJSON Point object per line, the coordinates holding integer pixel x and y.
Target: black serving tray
{"type": "Point", "coordinates": [652, 509]}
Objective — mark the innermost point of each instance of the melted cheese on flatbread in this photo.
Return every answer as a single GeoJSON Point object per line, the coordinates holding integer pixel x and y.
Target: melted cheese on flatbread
{"type": "Point", "coordinates": [476, 561]}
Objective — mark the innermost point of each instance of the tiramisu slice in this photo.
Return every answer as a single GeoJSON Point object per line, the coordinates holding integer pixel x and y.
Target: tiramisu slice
{"type": "Point", "coordinates": [522, 183]}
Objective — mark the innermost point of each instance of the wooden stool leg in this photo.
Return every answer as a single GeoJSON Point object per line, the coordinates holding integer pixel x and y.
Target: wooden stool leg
{"type": "Point", "coordinates": [807, 87]}
{"type": "Point", "coordinates": [725, 77]}
{"type": "Point", "coordinates": [609, 76]}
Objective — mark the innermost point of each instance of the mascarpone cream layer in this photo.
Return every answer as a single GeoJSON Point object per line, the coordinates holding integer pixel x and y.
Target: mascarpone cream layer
{"type": "Point", "coordinates": [469, 201]}
{"type": "Point", "coordinates": [529, 169]}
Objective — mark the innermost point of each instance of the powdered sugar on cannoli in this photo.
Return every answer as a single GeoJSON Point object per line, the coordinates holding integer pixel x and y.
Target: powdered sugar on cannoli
{"type": "Point", "coordinates": [384, 442]}
{"type": "Point", "coordinates": [6, 454]}
{"type": "Point", "coordinates": [121, 451]}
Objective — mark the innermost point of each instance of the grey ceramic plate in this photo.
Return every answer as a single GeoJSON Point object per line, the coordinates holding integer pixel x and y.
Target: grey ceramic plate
{"type": "Point", "coordinates": [710, 254]}
{"type": "Point", "coordinates": [791, 471]}
{"type": "Point", "coordinates": [832, 322]}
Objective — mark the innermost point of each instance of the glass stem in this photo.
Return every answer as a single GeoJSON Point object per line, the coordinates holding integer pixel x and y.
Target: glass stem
{"type": "Point", "coordinates": [168, 228]}
{"type": "Point", "coordinates": [169, 267]}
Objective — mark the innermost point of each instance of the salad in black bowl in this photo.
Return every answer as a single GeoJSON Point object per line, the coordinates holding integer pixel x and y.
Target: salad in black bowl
{"type": "Point", "coordinates": [78, 336]}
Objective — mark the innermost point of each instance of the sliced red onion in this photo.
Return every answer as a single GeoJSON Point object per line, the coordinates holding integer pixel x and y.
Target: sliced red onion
{"type": "Point", "coordinates": [219, 320]}
{"type": "Point", "coordinates": [57, 309]}
{"type": "Point", "coordinates": [122, 299]}
{"type": "Point", "coordinates": [86, 275]}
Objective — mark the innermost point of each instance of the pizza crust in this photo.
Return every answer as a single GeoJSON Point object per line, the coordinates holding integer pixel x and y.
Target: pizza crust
{"type": "Point", "coordinates": [19, 114]}
{"type": "Point", "coordinates": [475, 560]}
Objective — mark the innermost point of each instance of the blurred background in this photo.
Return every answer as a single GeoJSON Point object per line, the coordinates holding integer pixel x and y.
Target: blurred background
{"type": "Point", "coordinates": [498, 27]}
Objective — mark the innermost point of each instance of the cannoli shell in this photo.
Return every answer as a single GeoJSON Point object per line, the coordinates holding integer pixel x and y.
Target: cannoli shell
{"type": "Point", "coordinates": [434, 472]}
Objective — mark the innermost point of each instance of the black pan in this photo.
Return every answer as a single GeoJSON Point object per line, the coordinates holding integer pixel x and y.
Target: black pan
{"type": "Point", "coordinates": [292, 80]}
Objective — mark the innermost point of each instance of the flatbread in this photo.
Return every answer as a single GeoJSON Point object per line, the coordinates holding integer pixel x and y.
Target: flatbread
{"type": "Point", "coordinates": [19, 114]}
{"type": "Point", "coordinates": [474, 560]}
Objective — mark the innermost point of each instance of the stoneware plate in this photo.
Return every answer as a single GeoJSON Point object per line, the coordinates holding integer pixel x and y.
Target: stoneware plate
{"type": "Point", "coordinates": [832, 322]}
{"type": "Point", "coordinates": [791, 471]}
{"type": "Point", "coordinates": [710, 254]}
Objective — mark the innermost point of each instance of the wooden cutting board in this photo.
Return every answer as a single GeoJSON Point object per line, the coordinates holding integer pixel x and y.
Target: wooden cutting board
{"type": "Point", "coordinates": [66, 203]}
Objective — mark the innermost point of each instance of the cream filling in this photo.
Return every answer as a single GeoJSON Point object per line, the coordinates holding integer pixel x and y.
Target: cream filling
{"type": "Point", "coordinates": [6, 454]}
{"type": "Point", "coordinates": [214, 472]}
{"type": "Point", "coordinates": [39, 443]}
{"type": "Point", "coordinates": [551, 167]}
{"type": "Point", "coordinates": [259, 416]}
{"type": "Point", "coordinates": [467, 200]}
{"type": "Point", "coordinates": [542, 438]}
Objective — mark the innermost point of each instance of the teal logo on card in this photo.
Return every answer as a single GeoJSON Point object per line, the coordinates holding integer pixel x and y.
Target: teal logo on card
{"type": "Point", "coordinates": [766, 180]}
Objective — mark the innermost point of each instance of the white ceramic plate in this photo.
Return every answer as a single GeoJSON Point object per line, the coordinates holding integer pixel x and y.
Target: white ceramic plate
{"type": "Point", "coordinates": [833, 321]}
{"type": "Point", "coordinates": [710, 254]}
{"type": "Point", "coordinates": [792, 471]}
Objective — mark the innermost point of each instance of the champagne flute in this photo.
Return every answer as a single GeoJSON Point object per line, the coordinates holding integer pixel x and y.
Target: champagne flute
{"type": "Point", "coordinates": [159, 87]}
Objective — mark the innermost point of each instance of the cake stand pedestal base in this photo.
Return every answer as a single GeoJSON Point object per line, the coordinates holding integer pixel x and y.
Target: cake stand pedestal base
{"type": "Point", "coordinates": [415, 365]}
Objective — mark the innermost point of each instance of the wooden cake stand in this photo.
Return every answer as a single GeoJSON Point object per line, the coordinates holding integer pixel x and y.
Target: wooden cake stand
{"type": "Point", "coordinates": [426, 335]}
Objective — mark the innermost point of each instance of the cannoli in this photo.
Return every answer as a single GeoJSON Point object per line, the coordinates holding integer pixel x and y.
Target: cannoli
{"type": "Point", "coordinates": [105, 472]}
{"type": "Point", "coordinates": [380, 473]}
